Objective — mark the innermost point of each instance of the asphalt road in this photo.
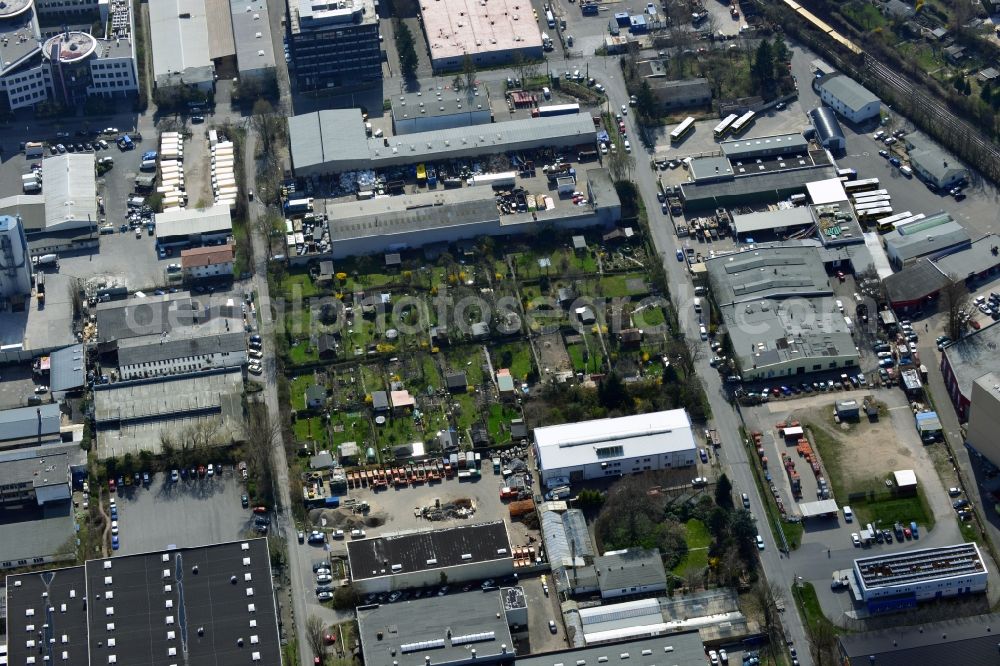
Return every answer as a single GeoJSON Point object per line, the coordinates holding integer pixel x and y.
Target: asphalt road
{"type": "Point", "coordinates": [726, 419]}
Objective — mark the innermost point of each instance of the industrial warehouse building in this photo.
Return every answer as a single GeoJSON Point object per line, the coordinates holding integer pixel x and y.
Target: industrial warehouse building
{"type": "Point", "coordinates": [774, 306]}
{"type": "Point", "coordinates": [207, 605]}
{"type": "Point", "coordinates": [438, 109]}
{"type": "Point", "coordinates": [194, 226]}
{"type": "Point", "coordinates": [334, 141]}
{"type": "Point", "coordinates": [966, 640]}
{"type": "Point", "coordinates": [417, 559]}
{"type": "Point", "coordinates": [459, 629]}
{"type": "Point", "coordinates": [181, 44]}
{"type": "Point", "coordinates": [629, 572]}
{"type": "Point", "coordinates": [932, 164]}
{"type": "Point", "coordinates": [383, 224]}
{"type": "Point", "coordinates": [490, 33]}
{"type": "Point", "coordinates": [966, 360]}
{"type": "Point", "coordinates": [905, 248]}
{"type": "Point", "coordinates": [612, 447]}
{"type": "Point", "coordinates": [828, 130]}
{"type": "Point", "coordinates": [984, 416]}
{"type": "Point", "coordinates": [848, 98]}
{"type": "Point", "coordinates": [901, 580]}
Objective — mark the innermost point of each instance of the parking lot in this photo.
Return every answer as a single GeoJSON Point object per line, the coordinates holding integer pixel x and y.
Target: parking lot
{"type": "Point", "coordinates": [184, 514]}
{"type": "Point", "coordinates": [17, 386]}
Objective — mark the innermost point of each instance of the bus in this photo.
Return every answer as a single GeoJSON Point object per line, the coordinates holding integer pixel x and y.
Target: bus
{"type": "Point", "coordinates": [722, 129]}
{"type": "Point", "coordinates": [682, 130]}
{"type": "Point", "coordinates": [870, 193]}
{"type": "Point", "coordinates": [743, 123]}
{"type": "Point", "coordinates": [847, 174]}
{"type": "Point", "coordinates": [867, 200]}
{"type": "Point", "coordinates": [885, 224]}
{"type": "Point", "coordinates": [863, 208]}
{"type": "Point", "coordinates": [863, 185]}
{"type": "Point", "coordinates": [874, 214]}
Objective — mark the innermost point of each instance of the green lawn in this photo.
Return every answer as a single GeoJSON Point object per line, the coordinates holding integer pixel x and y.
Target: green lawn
{"type": "Point", "coordinates": [809, 608]}
{"type": "Point", "coordinates": [698, 540]}
{"type": "Point", "coordinates": [499, 420]}
{"type": "Point", "coordinates": [301, 353]}
{"type": "Point", "coordinates": [468, 359]}
{"type": "Point", "coordinates": [355, 429]}
{"type": "Point", "coordinates": [516, 356]}
{"type": "Point", "coordinates": [863, 15]}
{"type": "Point", "coordinates": [311, 429]}
{"type": "Point", "coordinates": [297, 388]}
{"type": "Point", "coordinates": [885, 512]}
{"type": "Point", "coordinates": [298, 284]}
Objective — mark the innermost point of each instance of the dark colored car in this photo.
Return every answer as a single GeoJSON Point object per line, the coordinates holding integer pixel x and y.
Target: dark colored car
{"type": "Point", "coordinates": [245, 501]}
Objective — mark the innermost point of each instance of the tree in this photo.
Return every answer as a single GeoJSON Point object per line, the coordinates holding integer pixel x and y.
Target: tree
{"type": "Point", "coordinates": [620, 164]}
{"type": "Point", "coordinates": [646, 101]}
{"type": "Point", "coordinates": [780, 50]}
{"type": "Point", "coordinates": [724, 492]}
{"type": "Point", "coordinates": [764, 597]}
{"type": "Point", "coordinates": [261, 434]}
{"type": "Point", "coordinates": [953, 302]}
{"type": "Point", "coordinates": [762, 69]}
{"type": "Point", "coordinates": [469, 72]}
{"type": "Point", "coordinates": [524, 68]}
{"type": "Point", "coordinates": [315, 631]}
{"type": "Point", "coordinates": [345, 597]}
{"type": "Point", "coordinates": [611, 392]}
{"type": "Point", "coordinates": [823, 643]}
{"type": "Point", "coordinates": [407, 52]}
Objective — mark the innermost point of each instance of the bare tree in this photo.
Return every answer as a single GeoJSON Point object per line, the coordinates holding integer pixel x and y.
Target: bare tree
{"type": "Point", "coordinates": [823, 643]}
{"type": "Point", "coordinates": [953, 302]}
{"type": "Point", "coordinates": [524, 69]}
{"type": "Point", "coordinates": [469, 72]}
{"type": "Point", "coordinates": [315, 631]}
{"type": "Point", "coordinates": [261, 435]}
{"type": "Point", "coordinates": [764, 597]}
{"type": "Point", "coordinates": [620, 164]}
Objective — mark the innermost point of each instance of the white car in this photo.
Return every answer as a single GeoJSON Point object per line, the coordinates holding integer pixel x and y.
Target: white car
{"type": "Point", "coordinates": [604, 148]}
{"type": "Point", "coordinates": [713, 657]}
{"type": "Point", "coordinates": [624, 109]}
{"type": "Point", "coordinates": [628, 146]}
{"type": "Point", "coordinates": [114, 527]}
{"type": "Point", "coordinates": [760, 542]}
{"type": "Point", "coordinates": [324, 578]}
{"type": "Point", "coordinates": [913, 347]}
{"type": "Point", "coordinates": [255, 369]}
{"type": "Point", "coordinates": [856, 539]}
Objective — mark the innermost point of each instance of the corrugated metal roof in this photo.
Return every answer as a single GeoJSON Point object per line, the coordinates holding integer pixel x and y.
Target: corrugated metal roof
{"type": "Point", "coordinates": [179, 30]}
{"type": "Point", "coordinates": [849, 92]}
{"type": "Point", "coordinates": [70, 190]}
{"type": "Point", "coordinates": [220, 29]}
{"type": "Point", "coordinates": [29, 421]}
{"type": "Point", "coordinates": [67, 369]}
{"type": "Point", "coordinates": [251, 30]}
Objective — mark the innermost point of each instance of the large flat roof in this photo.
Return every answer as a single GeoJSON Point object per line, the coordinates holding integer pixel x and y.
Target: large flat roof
{"type": "Point", "coordinates": [67, 369]}
{"type": "Point", "coordinates": [210, 604]}
{"type": "Point", "coordinates": [977, 258]}
{"type": "Point", "coordinates": [428, 550]}
{"type": "Point", "coordinates": [180, 35]}
{"type": "Point", "coordinates": [440, 630]}
{"type": "Point", "coordinates": [215, 219]}
{"type": "Point", "coordinates": [153, 315]}
{"type": "Point", "coordinates": [772, 219]}
{"type": "Point", "coordinates": [830, 190]}
{"type": "Point", "coordinates": [973, 356]}
{"type": "Point", "coordinates": [140, 350]}
{"type": "Point", "coordinates": [767, 272]}
{"type": "Point", "coordinates": [679, 648]}
{"type": "Point", "coordinates": [772, 185]}
{"type": "Point", "coordinates": [916, 281]}
{"type": "Point", "coordinates": [335, 140]}
{"type": "Point", "coordinates": [633, 567]}
{"type": "Point", "coordinates": [26, 422]}
{"type": "Point", "coordinates": [457, 27]}
{"type": "Point", "coordinates": [588, 442]}
{"type": "Point", "coordinates": [70, 190]}
{"type": "Point", "coordinates": [251, 30]}
{"type": "Point", "coordinates": [910, 567]}
{"type": "Point", "coordinates": [785, 144]}
{"type": "Point", "coordinates": [967, 640]}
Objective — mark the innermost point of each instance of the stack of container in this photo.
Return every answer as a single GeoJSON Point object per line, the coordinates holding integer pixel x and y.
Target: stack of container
{"type": "Point", "coordinates": [172, 171]}
{"type": "Point", "coordinates": [223, 175]}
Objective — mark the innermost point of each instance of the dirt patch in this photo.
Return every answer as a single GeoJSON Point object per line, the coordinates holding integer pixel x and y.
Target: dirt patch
{"type": "Point", "coordinates": [858, 456]}
{"type": "Point", "coordinates": [346, 520]}
{"type": "Point", "coordinates": [552, 355]}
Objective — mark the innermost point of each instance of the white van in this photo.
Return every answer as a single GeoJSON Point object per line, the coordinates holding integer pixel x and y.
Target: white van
{"type": "Point", "coordinates": [703, 331]}
{"type": "Point", "coordinates": [906, 171]}
{"type": "Point", "coordinates": [848, 515]}
{"type": "Point", "coordinates": [697, 304]}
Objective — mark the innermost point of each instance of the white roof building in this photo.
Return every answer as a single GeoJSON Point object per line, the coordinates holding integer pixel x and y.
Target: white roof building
{"type": "Point", "coordinates": [612, 447]}
{"type": "Point", "coordinates": [179, 30]}
{"type": "Point", "coordinates": [70, 191]}
{"type": "Point", "coordinates": [191, 224]}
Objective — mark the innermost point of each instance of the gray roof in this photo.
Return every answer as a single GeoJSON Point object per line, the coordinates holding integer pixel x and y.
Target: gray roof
{"type": "Point", "coordinates": [849, 92]}
{"type": "Point", "coordinates": [67, 628]}
{"type": "Point", "coordinates": [928, 156]}
{"type": "Point", "coordinates": [973, 356]}
{"type": "Point", "coordinates": [428, 550]}
{"type": "Point", "coordinates": [336, 141]}
{"type": "Point", "coordinates": [772, 185]}
{"type": "Point", "coordinates": [177, 314]}
{"type": "Point", "coordinates": [826, 124]}
{"type": "Point", "coordinates": [322, 460]}
{"type": "Point", "coordinates": [165, 397]}
{"type": "Point", "coordinates": [684, 648]}
{"type": "Point", "coordinates": [70, 190]}
{"type": "Point", "coordinates": [46, 469]}
{"type": "Point", "coordinates": [977, 258]}
{"type": "Point", "coordinates": [24, 422]}
{"type": "Point", "coordinates": [905, 248]}
{"type": "Point", "coordinates": [392, 216]}
{"type": "Point", "coordinates": [771, 219]}
{"type": "Point", "coordinates": [134, 351]}
{"type": "Point", "coordinates": [784, 144]}
{"type": "Point", "coordinates": [632, 568]}
{"type": "Point", "coordinates": [380, 400]}
{"type": "Point", "coordinates": [443, 629]}
{"type": "Point", "coordinates": [251, 31]}
{"type": "Point", "coordinates": [67, 369]}
{"type": "Point", "coordinates": [916, 281]}
{"type": "Point", "coordinates": [702, 168]}
{"type": "Point", "coordinates": [967, 640]}
{"type": "Point", "coordinates": [767, 272]}
{"type": "Point", "coordinates": [180, 45]}
{"type": "Point", "coordinates": [436, 102]}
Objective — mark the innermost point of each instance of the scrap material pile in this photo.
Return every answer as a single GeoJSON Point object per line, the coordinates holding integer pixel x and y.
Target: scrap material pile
{"type": "Point", "coordinates": [459, 508]}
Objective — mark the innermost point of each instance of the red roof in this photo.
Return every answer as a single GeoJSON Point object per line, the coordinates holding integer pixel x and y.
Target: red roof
{"type": "Point", "coordinates": [207, 256]}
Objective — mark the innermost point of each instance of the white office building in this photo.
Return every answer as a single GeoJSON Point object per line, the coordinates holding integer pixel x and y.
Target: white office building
{"type": "Point", "coordinates": [848, 98]}
{"type": "Point", "coordinates": [612, 447]}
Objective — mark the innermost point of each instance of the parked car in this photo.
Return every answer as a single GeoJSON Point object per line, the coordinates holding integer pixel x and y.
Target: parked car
{"type": "Point", "coordinates": [746, 501]}
{"type": "Point", "coordinates": [316, 537]}
{"type": "Point", "coordinates": [699, 481]}
{"type": "Point", "coordinates": [954, 491]}
{"type": "Point", "coordinates": [856, 539]}
{"type": "Point", "coordinates": [552, 626]}
{"type": "Point", "coordinates": [760, 542]}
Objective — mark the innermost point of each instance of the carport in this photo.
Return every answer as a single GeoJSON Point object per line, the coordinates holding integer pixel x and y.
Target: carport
{"type": "Point", "coordinates": [820, 508]}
